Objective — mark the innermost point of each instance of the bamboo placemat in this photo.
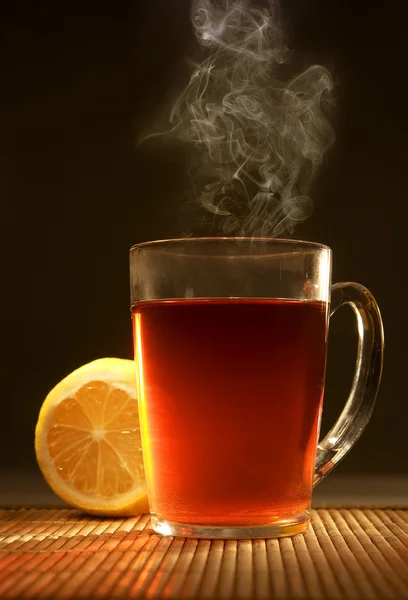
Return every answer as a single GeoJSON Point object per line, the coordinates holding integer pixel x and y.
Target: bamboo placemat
{"type": "Point", "coordinates": [346, 553]}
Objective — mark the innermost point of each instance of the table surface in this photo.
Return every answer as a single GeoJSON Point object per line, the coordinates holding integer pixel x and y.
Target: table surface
{"type": "Point", "coordinates": [61, 553]}
{"type": "Point", "coordinates": [51, 551]}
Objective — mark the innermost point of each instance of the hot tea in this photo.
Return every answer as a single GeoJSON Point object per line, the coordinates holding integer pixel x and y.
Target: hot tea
{"type": "Point", "coordinates": [230, 394]}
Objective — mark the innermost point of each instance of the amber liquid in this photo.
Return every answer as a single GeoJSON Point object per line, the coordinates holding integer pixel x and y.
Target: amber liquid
{"type": "Point", "coordinates": [230, 401]}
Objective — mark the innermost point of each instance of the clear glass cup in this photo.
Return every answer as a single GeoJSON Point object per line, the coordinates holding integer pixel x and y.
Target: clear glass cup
{"type": "Point", "coordinates": [231, 344]}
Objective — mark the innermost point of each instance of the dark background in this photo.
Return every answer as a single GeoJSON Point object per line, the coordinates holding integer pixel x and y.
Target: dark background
{"type": "Point", "coordinates": [77, 87]}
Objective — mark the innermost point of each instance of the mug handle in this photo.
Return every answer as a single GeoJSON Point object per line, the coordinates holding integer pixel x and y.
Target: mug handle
{"type": "Point", "coordinates": [359, 406]}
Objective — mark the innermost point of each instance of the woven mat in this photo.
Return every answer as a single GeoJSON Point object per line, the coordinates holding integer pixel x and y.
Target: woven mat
{"type": "Point", "coordinates": [347, 553]}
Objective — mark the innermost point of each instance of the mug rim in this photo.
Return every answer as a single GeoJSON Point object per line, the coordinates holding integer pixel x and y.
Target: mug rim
{"type": "Point", "coordinates": [305, 243]}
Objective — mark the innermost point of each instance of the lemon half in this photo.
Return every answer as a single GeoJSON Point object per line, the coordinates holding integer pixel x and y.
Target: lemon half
{"type": "Point", "coordinates": [87, 440]}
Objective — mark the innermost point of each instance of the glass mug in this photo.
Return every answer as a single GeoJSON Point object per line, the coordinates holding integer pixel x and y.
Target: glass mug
{"type": "Point", "coordinates": [230, 344]}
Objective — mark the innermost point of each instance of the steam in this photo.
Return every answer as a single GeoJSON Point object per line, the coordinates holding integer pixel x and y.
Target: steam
{"type": "Point", "coordinates": [260, 131]}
